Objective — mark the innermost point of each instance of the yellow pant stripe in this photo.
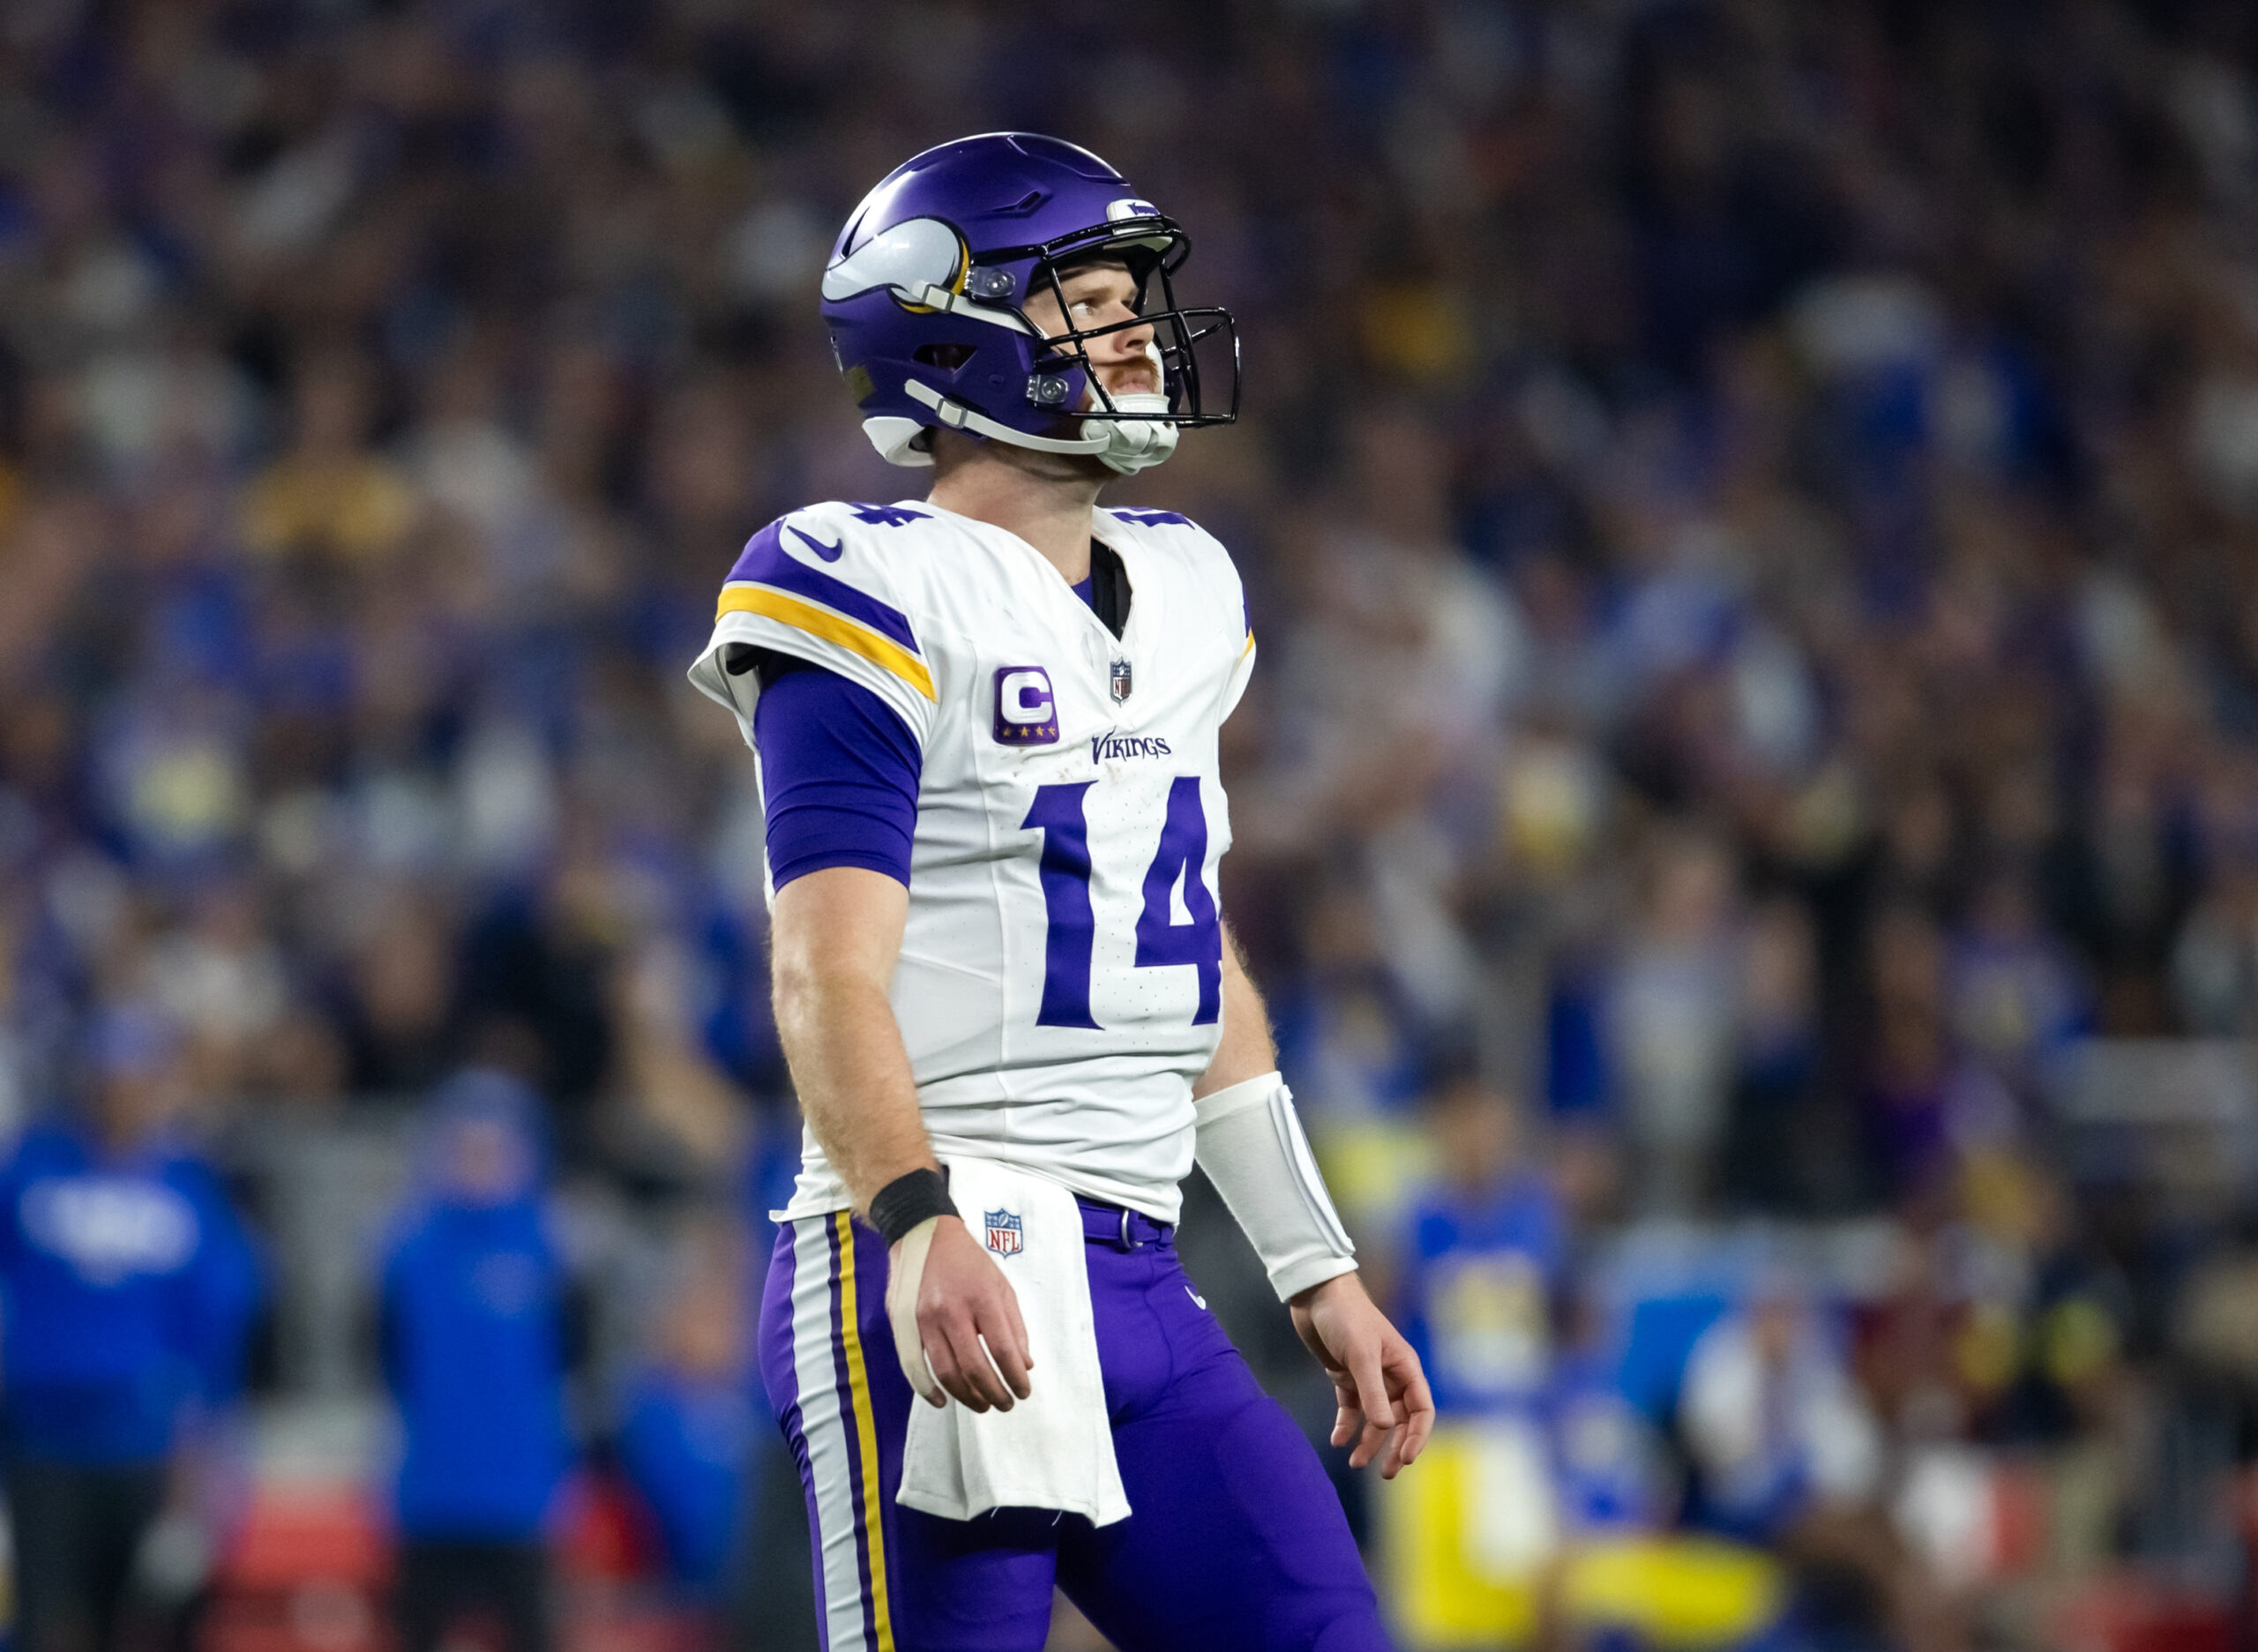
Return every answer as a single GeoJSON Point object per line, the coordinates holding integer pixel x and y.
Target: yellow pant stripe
{"type": "Point", "coordinates": [866, 1437]}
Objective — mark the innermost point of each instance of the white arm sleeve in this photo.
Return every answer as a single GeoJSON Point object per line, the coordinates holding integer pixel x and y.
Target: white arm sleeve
{"type": "Point", "coordinates": [1251, 1143]}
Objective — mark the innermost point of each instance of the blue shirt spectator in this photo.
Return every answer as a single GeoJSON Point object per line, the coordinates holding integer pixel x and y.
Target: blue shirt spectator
{"type": "Point", "coordinates": [1607, 1465]}
{"type": "Point", "coordinates": [685, 1441]}
{"type": "Point", "coordinates": [474, 1323]}
{"type": "Point", "coordinates": [689, 1423]}
{"type": "Point", "coordinates": [127, 1283]}
{"type": "Point", "coordinates": [1485, 1250]}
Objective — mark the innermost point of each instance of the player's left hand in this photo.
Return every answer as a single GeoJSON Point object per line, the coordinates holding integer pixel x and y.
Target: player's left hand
{"type": "Point", "coordinates": [1385, 1403]}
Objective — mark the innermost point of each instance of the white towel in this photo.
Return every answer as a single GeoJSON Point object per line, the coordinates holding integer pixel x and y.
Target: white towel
{"type": "Point", "coordinates": [1053, 1449]}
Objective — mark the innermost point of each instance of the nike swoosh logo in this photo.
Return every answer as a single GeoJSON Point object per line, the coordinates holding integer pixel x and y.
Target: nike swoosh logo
{"type": "Point", "coordinates": [829, 553]}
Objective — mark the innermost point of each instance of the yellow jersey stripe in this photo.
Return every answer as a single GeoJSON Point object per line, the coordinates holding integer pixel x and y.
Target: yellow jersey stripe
{"type": "Point", "coordinates": [866, 1438]}
{"type": "Point", "coordinates": [1249, 649]}
{"type": "Point", "coordinates": [740, 598]}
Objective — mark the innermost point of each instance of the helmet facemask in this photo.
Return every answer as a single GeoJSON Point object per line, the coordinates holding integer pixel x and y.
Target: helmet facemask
{"type": "Point", "coordinates": [1139, 427]}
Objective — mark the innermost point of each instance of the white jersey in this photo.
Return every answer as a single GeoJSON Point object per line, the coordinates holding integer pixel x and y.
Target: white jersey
{"type": "Point", "coordinates": [1060, 986]}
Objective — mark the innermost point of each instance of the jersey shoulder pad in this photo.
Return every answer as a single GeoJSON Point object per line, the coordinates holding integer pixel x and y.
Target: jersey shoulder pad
{"type": "Point", "coordinates": [1198, 555]}
{"type": "Point", "coordinates": [1172, 534]}
{"type": "Point", "coordinates": [1157, 527]}
{"type": "Point", "coordinates": [817, 583]}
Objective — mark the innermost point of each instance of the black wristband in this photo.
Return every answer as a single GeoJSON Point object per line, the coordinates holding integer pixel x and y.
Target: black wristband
{"type": "Point", "coordinates": [906, 1201]}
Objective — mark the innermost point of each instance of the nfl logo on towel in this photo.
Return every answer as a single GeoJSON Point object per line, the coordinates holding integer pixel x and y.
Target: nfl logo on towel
{"type": "Point", "coordinates": [1003, 1233]}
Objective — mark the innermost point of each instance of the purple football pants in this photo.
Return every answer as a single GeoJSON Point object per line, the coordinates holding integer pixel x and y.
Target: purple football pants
{"type": "Point", "coordinates": [1237, 1542]}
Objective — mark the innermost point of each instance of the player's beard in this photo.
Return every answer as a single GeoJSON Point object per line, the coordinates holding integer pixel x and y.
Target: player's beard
{"type": "Point", "coordinates": [1136, 375]}
{"type": "Point", "coordinates": [1133, 378]}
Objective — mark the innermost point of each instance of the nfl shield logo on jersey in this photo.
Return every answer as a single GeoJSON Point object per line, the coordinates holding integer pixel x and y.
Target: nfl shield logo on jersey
{"type": "Point", "coordinates": [1120, 681]}
{"type": "Point", "coordinates": [1003, 1233]}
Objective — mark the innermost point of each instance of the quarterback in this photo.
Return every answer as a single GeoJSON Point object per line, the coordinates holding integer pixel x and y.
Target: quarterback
{"type": "Point", "coordinates": [986, 729]}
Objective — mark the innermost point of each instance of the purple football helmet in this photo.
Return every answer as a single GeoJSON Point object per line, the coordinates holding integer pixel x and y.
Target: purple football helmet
{"type": "Point", "coordinates": [925, 292]}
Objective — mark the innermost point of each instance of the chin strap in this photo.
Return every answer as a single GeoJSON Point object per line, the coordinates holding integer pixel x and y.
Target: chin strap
{"type": "Point", "coordinates": [957, 416]}
{"type": "Point", "coordinates": [936, 297]}
{"type": "Point", "coordinates": [1127, 445]}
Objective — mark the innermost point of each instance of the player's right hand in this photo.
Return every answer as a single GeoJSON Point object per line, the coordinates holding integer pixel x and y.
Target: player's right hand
{"type": "Point", "coordinates": [955, 1318]}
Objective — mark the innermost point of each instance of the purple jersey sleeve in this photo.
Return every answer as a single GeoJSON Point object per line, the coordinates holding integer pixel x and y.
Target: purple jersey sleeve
{"type": "Point", "coordinates": [838, 771]}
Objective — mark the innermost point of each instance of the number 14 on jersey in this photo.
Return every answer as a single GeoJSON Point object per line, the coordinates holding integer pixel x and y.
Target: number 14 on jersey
{"type": "Point", "coordinates": [1071, 938]}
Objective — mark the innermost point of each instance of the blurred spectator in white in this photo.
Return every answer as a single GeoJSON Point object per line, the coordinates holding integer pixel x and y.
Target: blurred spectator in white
{"type": "Point", "coordinates": [1774, 1425]}
{"type": "Point", "coordinates": [2215, 961]}
{"type": "Point", "coordinates": [1570, 676]}
{"type": "Point", "coordinates": [1673, 1014]}
{"type": "Point", "coordinates": [1786, 1453]}
{"type": "Point", "coordinates": [1407, 655]}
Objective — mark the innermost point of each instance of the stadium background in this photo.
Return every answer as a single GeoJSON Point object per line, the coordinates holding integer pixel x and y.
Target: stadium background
{"type": "Point", "coordinates": [1749, 818]}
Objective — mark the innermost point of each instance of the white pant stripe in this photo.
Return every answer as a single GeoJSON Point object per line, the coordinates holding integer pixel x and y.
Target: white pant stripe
{"type": "Point", "coordinates": [830, 1435]}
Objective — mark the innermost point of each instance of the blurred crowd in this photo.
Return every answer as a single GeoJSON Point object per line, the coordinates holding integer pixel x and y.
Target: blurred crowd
{"type": "Point", "coordinates": [1750, 512]}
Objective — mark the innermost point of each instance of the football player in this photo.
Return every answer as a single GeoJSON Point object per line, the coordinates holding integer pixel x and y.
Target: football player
{"type": "Point", "coordinates": [986, 727]}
